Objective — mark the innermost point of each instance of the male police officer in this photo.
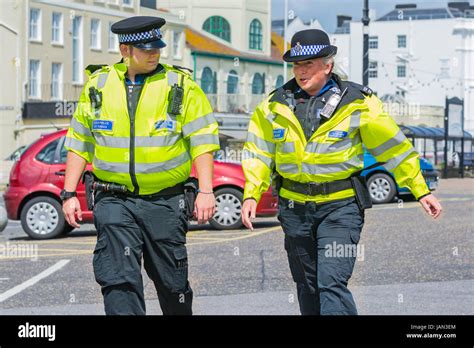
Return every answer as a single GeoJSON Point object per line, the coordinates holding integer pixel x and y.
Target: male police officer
{"type": "Point", "coordinates": [141, 124]}
{"type": "Point", "coordinates": [313, 130]}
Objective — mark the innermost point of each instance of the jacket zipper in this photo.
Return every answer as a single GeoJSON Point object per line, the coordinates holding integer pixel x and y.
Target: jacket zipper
{"type": "Point", "coordinates": [133, 176]}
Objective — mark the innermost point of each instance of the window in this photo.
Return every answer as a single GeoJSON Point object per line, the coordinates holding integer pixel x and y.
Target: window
{"type": "Point", "coordinates": [402, 41]}
{"type": "Point", "coordinates": [46, 155]}
{"type": "Point", "coordinates": [445, 71]}
{"type": "Point", "coordinates": [401, 71]}
{"type": "Point", "coordinates": [113, 39]}
{"type": "Point", "coordinates": [63, 151]}
{"type": "Point", "coordinates": [218, 26]}
{"type": "Point", "coordinates": [77, 58]}
{"type": "Point", "coordinates": [232, 82]}
{"type": "Point", "coordinates": [35, 24]}
{"type": "Point", "coordinates": [279, 81]}
{"type": "Point", "coordinates": [56, 81]}
{"type": "Point", "coordinates": [373, 42]}
{"type": "Point", "coordinates": [95, 34]}
{"type": "Point", "coordinates": [176, 44]}
{"type": "Point", "coordinates": [127, 3]}
{"type": "Point", "coordinates": [57, 28]}
{"type": "Point", "coordinates": [208, 81]}
{"type": "Point", "coordinates": [34, 79]}
{"type": "Point", "coordinates": [258, 84]}
{"type": "Point", "coordinates": [255, 35]}
{"type": "Point", "coordinates": [373, 72]}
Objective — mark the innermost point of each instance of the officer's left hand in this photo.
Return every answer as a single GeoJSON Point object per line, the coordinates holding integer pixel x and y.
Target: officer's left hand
{"type": "Point", "coordinates": [431, 205]}
{"type": "Point", "coordinates": [204, 207]}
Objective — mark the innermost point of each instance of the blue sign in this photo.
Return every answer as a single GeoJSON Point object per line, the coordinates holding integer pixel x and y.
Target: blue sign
{"type": "Point", "coordinates": [102, 125]}
{"type": "Point", "coordinates": [337, 134]}
{"type": "Point", "coordinates": [166, 124]}
{"type": "Point", "coordinates": [278, 134]}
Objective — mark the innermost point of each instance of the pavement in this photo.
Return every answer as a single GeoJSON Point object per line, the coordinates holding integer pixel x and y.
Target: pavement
{"type": "Point", "coordinates": [410, 265]}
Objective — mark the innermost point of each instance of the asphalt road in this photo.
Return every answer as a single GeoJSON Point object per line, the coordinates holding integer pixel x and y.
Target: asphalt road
{"type": "Point", "coordinates": [409, 264]}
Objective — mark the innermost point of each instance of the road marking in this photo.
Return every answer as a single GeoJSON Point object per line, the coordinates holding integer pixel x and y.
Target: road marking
{"type": "Point", "coordinates": [250, 235]}
{"type": "Point", "coordinates": [19, 288]}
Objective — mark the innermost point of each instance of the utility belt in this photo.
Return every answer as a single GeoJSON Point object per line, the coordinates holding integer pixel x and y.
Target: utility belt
{"type": "Point", "coordinates": [94, 186]}
{"type": "Point", "coordinates": [355, 181]}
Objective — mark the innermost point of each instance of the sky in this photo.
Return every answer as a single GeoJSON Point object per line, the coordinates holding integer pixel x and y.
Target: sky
{"type": "Point", "coordinates": [326, 11]}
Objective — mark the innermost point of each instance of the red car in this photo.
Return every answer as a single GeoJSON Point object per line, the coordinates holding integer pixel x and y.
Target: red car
{"type": "Point", "coordinates": [37, 178]}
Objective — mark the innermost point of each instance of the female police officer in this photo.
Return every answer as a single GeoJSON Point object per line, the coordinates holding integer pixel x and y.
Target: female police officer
{"type": "Point", "coordinates": [142, 124]}
{"type": "Point", "coordinates": [312, 131]}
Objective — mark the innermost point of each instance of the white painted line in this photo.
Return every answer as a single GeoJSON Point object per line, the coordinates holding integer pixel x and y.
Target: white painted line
{"type": "Point", "coordinates": [56, 267]}
{"type": "Point", "coordinates": [4, 279]}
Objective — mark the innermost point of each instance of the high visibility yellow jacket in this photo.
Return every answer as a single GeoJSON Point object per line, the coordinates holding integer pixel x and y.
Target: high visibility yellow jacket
{"type": "Point", "coordinates": [275, 141]}
{"type": "Point", "coordinates": [152, 151]}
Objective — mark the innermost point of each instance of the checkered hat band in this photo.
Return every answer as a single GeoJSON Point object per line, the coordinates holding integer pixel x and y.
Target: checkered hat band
{"type": "Point", "coordinates": [306, 50]}
{"type": "Point", "coordinates": [143, 36]}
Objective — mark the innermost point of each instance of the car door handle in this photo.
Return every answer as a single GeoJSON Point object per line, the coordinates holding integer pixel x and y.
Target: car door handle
{"type": "Point", "coordinates": [61, 173]}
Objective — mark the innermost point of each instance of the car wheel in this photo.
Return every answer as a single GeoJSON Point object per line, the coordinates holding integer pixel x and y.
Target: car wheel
{"type": "Point", "coordinates": [42, 218]}
{"type": "Point", "coordinates": [382, 188]}
{"type": "Point", "coordinates": [228, 209]}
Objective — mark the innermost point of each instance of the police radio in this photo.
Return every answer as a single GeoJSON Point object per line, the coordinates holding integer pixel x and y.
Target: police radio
{"type": "Point", "coordinates": [175, 98]}
{"type": "Point", "coordinates": [331, 104]}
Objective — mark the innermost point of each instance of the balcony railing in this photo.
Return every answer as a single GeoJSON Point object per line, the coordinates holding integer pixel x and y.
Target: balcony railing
{"type": "Point", "coordinates": [235, 103]}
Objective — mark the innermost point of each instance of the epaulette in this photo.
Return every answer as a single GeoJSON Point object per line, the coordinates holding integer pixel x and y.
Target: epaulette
{"type": "Point", "coordinates": [182, 68]}
{"type": "Point", "coordinates": [93, 68]}
{"type": "Point", "coordinates": [364, 89]}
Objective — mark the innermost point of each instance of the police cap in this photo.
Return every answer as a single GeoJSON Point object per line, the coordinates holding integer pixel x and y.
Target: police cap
{"type": "Point", "coordinates": [140, 31]}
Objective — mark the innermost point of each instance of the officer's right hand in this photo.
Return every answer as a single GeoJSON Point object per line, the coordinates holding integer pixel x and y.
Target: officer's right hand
{"type": "Point", "coordinates": [249, 209]}
{"type": "Point", "coordinates": [70, 207]}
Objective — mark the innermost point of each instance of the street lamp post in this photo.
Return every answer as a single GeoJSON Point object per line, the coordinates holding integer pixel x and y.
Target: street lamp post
{"type": "Point", "coordinates": [365, 56]}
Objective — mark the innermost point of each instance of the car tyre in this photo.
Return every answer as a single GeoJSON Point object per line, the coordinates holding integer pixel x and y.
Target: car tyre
{"type": "Point", "coordinates": [228, 209]}
{"type": "Point", "coordinates": [382, 188]}
{"type": "Point", "coordinates": [42, 218]}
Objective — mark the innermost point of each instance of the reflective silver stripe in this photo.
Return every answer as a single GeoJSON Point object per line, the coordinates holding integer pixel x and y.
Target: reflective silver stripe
{"type": "Point", "coordinates": [198, 123]}
{"type": "Point", "coordinates": [149, 168]}
{"type": "Point", "coordinates": [172, 78]}
{"type": "Point", "coordinates": [262, 144]}
{"type": "Point", "coordinates": [78, 145]}
{"type": "Point", "coordinates": [355, 161]}
{"type": "Point", "coordinates": [394, 141]}
{"type": "Point", "coordinates": [270, 117]}
{"type": "Point", "coordinates": [142, 168]}
{"type": "Point", "coordinates": [323, 148]}
{"type": "Point", "coordinates": [249, 155]}
{"type": "Point", "coordinates": [395, 161]}
{"type": "Point", "coordinates": [101, 80]}
{"type": "Point", "coordinates": [287, 147]}
{"type": "Point", "coordinates": [80, 128]}
{"type": "Point", "coordinates": [140, 141]}
{"type": "Point", "coordinates": [288, 168]}
{"type": "Point", "coordinates": [355, 121]}
{"type": "Point", "coordinates": [204, 139]}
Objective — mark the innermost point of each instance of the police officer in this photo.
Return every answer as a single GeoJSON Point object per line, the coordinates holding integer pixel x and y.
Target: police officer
{"type": "Point", "coordinates": [142, 125]}
{"type": "Point", "coordinates": [311, 133]}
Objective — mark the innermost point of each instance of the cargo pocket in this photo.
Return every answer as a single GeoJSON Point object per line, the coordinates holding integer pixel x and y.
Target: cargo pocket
{"type": "Point", "coordinates": [357, 223]}
{"type": "Point", "coordinates": [181, 269]}
{"type": "Point", "coordinates": [104, 271]}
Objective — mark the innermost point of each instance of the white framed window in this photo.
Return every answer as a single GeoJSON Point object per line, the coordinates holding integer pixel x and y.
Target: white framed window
{"type": "Point", "coordinates": [95, 34]}
{"type": "Point", "coordinates": [77, 50]}
{"type": "Point", "coordinates": [402, 41]}
{"type": "Point", "coordinates": [127, 3]}
{"type": "Point", "coordinates": [177, 46]}
{"type": "Point", "coordinates": [34, 79]}
{"type": "Point", "coordinates": [113, 39]}
{"type": "Point", "coordinates": [445, 68]}
{"type": "Point", "coordinates": [401, 71]}
{"type": "Point", "coordinates": [57, 81]}
{"type": "Point", "coordinates": [373, 70]}
{"type": "Point", "coordinates": [35, 24]}
{"type": "Point", "coordinates": [57, 28]}
{"type": "Point", "coordinates": [373, 42]}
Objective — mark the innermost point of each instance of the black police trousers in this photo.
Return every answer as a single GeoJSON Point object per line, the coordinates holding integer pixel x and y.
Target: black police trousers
{"type": "Point", "coordinates": [321, 243]}
{"type": "Point", "coordinates": [131, 229]}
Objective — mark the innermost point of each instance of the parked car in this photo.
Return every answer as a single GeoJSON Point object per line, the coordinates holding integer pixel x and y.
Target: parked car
{"type": "Point", "coordinates": [7, 164]}
{"type": "Point", "coordinates": [37, 178]}
{"type": "Point", "coordinates": [382, 185]}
